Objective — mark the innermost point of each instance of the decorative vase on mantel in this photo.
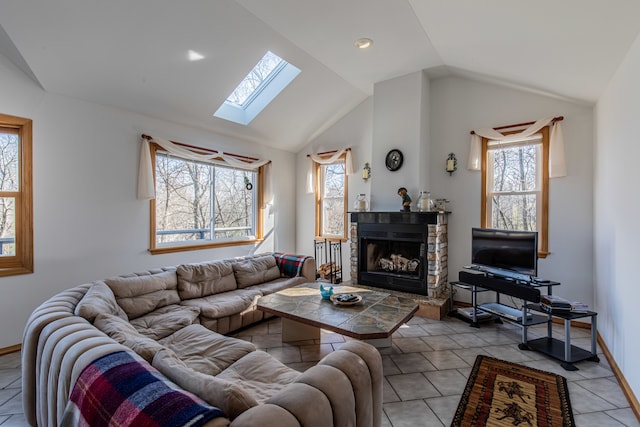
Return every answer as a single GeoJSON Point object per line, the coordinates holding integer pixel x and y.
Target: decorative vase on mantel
{"type": "Point", "coordinates": [361, 204]}
{"type": "Point", "coordinates": [425, 203]}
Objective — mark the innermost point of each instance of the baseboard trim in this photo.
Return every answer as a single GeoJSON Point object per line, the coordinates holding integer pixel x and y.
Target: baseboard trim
{"type": "Point", "coordinates": [628, 393]}
{"type": "Point", "coordinates": [12, 349]}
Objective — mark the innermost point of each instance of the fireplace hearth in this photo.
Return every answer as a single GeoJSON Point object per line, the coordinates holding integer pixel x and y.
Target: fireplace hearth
{"type": "Point", "coordinates": [400, 251]}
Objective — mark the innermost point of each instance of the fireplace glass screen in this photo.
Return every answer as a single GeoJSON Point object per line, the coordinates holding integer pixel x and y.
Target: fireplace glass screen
{"type": "Point", "coordinates": [393, 257]}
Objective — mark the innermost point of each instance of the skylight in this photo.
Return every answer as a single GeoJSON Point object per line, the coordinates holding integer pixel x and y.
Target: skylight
{"type": "Point", "coordinates": [263, 83]}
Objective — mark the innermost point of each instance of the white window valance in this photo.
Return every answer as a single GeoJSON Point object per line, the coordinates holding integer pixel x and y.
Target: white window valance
{"type": "Point", "coordinates": [557, 165]}
{"type": "Point", "coordinates": [146, 184]}
{"type": "Point", "coordinates": [326, 159]}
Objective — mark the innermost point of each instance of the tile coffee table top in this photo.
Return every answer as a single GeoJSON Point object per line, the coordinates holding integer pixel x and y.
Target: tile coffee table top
{"type": "Point", "coordinates": [378, 315]}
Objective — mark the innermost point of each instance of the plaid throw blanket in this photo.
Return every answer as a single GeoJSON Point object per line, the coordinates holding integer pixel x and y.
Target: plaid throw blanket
{"type": "Point", "coordinates": [117, 390]}
{"type": "Point", "coordinates": [290, 265]}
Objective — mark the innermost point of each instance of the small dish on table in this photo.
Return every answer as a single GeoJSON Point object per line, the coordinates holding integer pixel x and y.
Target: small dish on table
{"type": "Point", "coordinates": [346, 299]}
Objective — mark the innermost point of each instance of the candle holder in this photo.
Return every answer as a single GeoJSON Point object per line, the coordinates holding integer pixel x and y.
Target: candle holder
{"type": "Point", "coordinates": [452, 163]}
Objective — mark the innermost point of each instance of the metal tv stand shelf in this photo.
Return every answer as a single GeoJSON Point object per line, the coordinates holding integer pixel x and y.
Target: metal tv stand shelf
{"type": "Point", "coordinates": [563, 350]}
{"type": "Point", "coordinates": [478, 281]}
{"type": "Point", "coordinates": [531, 314]}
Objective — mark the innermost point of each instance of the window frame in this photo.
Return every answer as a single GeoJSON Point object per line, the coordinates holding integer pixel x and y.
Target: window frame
{"type": "Point", "coordinates": [319, 201]}
{"type": "Point", "coordinates": [543, 208]}
{"type": "Point", "coordinates": [22, 262]}
{"type": "Point", "coordinates": [154, 249]}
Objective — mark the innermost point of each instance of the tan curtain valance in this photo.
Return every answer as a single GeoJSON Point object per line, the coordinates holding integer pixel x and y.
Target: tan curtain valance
{"type": "Point", "coordinates": [327, 159]}
{"type": "Point", "coordinates": [557, 165]}
{"type": "Point", "coordinates": [146, 184]}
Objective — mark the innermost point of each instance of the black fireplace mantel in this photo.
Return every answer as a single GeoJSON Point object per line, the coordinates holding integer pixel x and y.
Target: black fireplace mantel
{"type": "Point", "coordinates": [396, 217]}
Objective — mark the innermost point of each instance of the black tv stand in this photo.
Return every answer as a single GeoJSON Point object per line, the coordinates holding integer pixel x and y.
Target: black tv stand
{"type": "Point", "coordinates": [529, 315]}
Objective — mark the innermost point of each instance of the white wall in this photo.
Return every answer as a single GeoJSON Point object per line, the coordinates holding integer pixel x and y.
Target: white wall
{"type": "Point", "coordinates": [353, 130]}
{"type": "Point", "coordinates": [460, 105]}
{"type": "Point", "coordinates": [616, 216]}
{"type": "Point", "coordinates": [88, 223]}
{"type": "Point", "coordinates": [400, 115]}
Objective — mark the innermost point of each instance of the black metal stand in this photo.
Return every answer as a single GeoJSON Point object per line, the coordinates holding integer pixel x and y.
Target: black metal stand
{"type": "Point", "coordinates": [328, 256]}
{"type": "Point", "coordinates": [529, 293]}
{"type": "Point", "coordinates": [563, 350]}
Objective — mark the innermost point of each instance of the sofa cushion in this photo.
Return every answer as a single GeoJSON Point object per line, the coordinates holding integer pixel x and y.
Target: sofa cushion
{"type": "Point", "coordinates": [224, 304]}
{"type": "Point", "coordinates": [142, 293]}
{"type": "Point", "coordinates": [201, 280]}
{"type": "Point", "coordinates": [254, 270]}
{"type": "Point", "coordinates": [123, 332]}
{"type": "Point", "coordinates": [260, 375]}
{"type": "Point", "coordinates": [165, 320]}
{"type": "Point", "coordinates": [99, 299]}
{"type": "Point", "coordinates": [222, 394]}
{"type": "Point", "coordinates": [206, 351]}
{"type": "Point", "coordinates": [273, 286]}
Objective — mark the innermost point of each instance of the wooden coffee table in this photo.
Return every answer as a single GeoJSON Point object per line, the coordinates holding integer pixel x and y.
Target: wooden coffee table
{"type": "Point", "coordinates": [304, 313]}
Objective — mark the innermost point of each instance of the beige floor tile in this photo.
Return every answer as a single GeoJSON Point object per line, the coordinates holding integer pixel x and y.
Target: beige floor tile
{"type": "Point", "coordinates": [412, 362]}
{"type": "Point", "coordinates": [412, 386]}
{"type": "Point", "coordinates": [411, 414]}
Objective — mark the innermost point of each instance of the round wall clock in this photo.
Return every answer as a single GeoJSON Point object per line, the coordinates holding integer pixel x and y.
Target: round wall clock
{"type": "Point", "coordinates": [394, 159]}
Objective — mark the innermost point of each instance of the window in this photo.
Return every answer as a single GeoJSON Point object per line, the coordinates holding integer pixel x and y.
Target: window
{"type": "Point", "coordinates": [515, 182]}
{"type": "Point", "coordinates": [264, 82]}
{"type": "Point", "coordinates": [16, 196]}
{"type": "Point", "coordinates": [331, 200]}
{"type": "Point", "coordinates": [200, 205]}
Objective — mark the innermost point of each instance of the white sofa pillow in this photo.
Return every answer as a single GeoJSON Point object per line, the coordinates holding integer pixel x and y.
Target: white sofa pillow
{"type": "Point", "coordinates": [165, 321]}
{"type": "Point", "coordinates": [255, 270]}
{"type": "Point", "coordinates": [204, 279]}
{"type": "Point", "coordinates": [139, 294]}
{"type": "Point", "coordinates": [123, 332]}
{"type": "Point", "coordinates": [225, 395]}
{"type": "Point", "coordinates": [99, 299]}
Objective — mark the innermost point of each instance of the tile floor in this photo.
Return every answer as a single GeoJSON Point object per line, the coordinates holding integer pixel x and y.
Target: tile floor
{"type": "Point", "coordinates": [425, 370]}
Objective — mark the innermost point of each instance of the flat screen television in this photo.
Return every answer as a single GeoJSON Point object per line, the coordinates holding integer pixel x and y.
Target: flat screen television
{"type": "Point", "coordinates": [512, 251]}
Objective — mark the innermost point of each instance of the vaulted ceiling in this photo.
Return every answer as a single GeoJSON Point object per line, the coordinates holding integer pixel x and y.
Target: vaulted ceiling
{"type": "Point", "coordinates": [133, 54]}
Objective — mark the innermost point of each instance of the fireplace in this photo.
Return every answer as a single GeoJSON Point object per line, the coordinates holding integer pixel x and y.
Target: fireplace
{"type": "Point", "coordinates": [401, 251]}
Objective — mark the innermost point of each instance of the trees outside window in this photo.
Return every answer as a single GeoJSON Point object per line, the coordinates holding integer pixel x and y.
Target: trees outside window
{"type": "Point", "coordinates": [331, 200]}
{"type": "Point", "coordinates": [202, 204]}
{"type": "Point", "coordinates": [515, 186]}
{"type": "Point", "coordinates": [16, 196]}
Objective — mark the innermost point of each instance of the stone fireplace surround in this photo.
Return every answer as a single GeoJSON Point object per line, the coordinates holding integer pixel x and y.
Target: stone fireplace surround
{"type": "Point", "coordinates": [428, 284]}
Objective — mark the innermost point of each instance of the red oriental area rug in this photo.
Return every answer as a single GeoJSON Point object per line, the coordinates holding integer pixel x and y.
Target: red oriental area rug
{"type": "Point", "coordinates": [501, 393]}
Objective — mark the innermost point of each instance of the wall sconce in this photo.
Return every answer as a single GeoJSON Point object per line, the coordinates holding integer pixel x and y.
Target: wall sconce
{"type": "Point", "coordinates": [452, 163]}
{"type": "Point", "coordinates": [366, 172]}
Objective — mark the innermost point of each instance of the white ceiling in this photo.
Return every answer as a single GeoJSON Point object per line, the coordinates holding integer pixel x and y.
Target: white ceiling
{"type": "Point", "coordinates": [133, 54]}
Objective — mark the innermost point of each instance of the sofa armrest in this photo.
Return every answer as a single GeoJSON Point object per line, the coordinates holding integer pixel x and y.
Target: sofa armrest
{"type": "Point", "coordinates": [309, 269]}
{"type": "Point", "coordinates": [344, 388]}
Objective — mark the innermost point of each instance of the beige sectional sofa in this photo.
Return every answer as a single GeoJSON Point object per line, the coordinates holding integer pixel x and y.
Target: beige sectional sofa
{"type": "Point", "coordinates": [173, 320]}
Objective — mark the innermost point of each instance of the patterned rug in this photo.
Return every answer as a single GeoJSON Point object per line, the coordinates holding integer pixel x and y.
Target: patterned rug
{"type": "Point", "coordinates": [501, 393]}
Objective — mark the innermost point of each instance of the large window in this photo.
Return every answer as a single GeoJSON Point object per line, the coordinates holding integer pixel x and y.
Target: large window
{"type": "Point", "coordinates": [515, 181]}
{"type": "Point", "coordinates": [203, 204]}
{"type": "Point", "coordinates": [331, 200]}
{"type": "Point", "coordinates": [16, 196]}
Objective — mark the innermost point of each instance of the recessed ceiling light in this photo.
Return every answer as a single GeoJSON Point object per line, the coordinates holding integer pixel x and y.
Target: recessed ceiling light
{"type": "Point", "coordinates": [195, 56]}
{"type": "Point", "coordinates": [363, 43]}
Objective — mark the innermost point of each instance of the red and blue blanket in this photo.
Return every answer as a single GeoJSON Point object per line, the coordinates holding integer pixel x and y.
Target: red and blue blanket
{"type": "Point", "coordinates": [120, 390]}
{"type": "Point", "coordinates": [290, 265]}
